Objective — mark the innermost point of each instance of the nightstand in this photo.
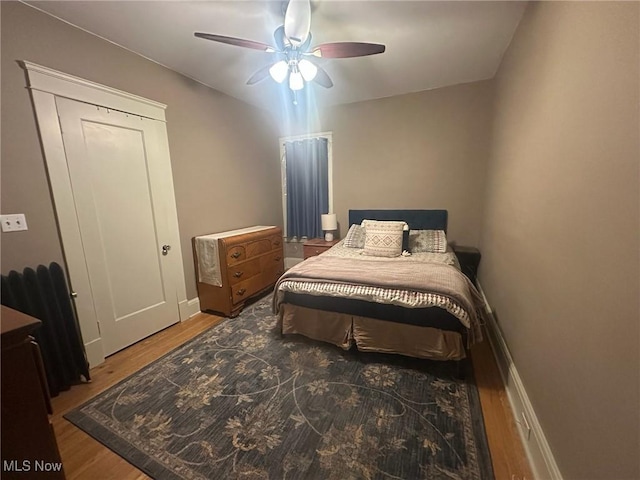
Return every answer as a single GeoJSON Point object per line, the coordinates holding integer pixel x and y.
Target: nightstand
{"type": "Point", "coordinates": [315, 246]}
{"type": "Point", "coordinates": [469, 258]}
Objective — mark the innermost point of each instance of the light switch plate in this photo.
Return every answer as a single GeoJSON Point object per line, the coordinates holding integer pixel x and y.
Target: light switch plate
{"type": "Point", "coordinates": [14, 222]}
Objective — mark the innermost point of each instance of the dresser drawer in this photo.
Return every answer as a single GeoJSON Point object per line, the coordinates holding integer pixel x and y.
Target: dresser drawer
{"type": "Point", "coordinates": [243, 290]}
{"type": "Point", "coordinates": [276, 242]}
{"type": "Point", "coordinates": [236, 254]}
{"type": "Point", "coordinates": [316, 246]}
{"type": "Point", "coordinates": [272, 275]}
{"type": "Point", "coordinates": [271, 260]}
{"type": "Point", "coordinates": [312, 251]}
{"type": "Point", "coordinates": [243, 271]}
{"type": "Point", "coordinates": [258, 247]}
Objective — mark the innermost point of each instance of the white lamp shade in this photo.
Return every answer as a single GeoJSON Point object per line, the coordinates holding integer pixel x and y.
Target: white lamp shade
{"type": "Point", "coordinates": [296, 81]}
{"type": "Point", "coordinates": [307, 69]}
{"type": "Point", "coordinates": [279, 71]}
{"type": "Point", "coordinates": [329, 221]}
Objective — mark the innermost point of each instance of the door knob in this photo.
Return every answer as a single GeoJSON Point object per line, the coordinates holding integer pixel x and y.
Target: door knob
{"type": "Point", "coordinates": [165, 249]}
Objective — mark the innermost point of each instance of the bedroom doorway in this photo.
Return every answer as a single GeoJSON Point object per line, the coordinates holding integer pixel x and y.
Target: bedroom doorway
{"type": "Point", "coordinates": [107, 157]}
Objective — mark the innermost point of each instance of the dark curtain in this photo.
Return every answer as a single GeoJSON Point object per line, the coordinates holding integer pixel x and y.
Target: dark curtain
{"type": "Point", "coordinates": [43, 294]}
{"type": "Point", "coordinates": [307, 176]}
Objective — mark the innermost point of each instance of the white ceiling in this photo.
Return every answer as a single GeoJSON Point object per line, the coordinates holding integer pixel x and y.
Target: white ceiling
{"type": "Point", "coordinates": [430, 44]}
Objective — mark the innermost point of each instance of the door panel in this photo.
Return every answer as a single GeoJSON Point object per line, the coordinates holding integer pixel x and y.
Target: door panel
{"type": "Point", "coordinates": [116, 156]}
{"type": "Point", "coordinates": [117, 181]}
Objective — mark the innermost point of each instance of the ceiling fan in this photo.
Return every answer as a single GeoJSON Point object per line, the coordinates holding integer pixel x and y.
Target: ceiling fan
{"type": "Point", "coordinates": [294, 52]}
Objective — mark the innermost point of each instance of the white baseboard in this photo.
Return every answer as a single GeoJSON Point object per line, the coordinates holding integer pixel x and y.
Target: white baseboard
{"type": "Point", "coordinates": [94, 352]}
{"type": "Point", "coordinates": [191, 307]}
{"type": "Point", "coordinates": [535, 443]}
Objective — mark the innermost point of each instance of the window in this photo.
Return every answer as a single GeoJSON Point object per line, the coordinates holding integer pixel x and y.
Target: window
{"type": "Point", "coordinates": [307, 187]}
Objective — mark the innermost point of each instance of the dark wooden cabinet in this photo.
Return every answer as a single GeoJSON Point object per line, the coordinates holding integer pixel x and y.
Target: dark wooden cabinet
{"type": "Point", "coordinates": [316, 246]}
{"type": "Point", "coordinates": [29, 448]}
{"type": "Point", "coordinates": [469, 258]}
{"type": "Point", "coordinates": [250, 263]}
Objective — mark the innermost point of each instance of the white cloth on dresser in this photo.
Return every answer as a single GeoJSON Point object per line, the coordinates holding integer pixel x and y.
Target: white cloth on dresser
{"type": "Point", "coordinates": [207, 254]}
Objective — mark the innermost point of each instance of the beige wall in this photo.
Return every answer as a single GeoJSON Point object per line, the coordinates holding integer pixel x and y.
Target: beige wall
{"type": "Point", "coordinates": [224, 153]}
{"type": "Point", "coordinates": [560, 238]}
{"type": "Point", "coordinates": [422, 150]}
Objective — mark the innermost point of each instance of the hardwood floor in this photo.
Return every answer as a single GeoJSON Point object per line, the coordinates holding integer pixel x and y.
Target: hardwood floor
{"type": "Point", "coordinates": [85, 458]}
{"type": "Point", "coordinates": [507, 453]}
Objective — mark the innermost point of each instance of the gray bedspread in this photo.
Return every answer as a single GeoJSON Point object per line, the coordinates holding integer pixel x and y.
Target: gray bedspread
{"type": "Point", "coordinates": [429, 278]}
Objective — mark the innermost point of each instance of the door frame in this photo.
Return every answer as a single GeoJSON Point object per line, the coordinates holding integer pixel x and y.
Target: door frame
{"type": "Point", "coordinates": [45, 85]}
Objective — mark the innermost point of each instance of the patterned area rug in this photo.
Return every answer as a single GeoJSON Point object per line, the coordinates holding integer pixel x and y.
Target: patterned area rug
{"type": "Point", "coordinates": [241, 402]}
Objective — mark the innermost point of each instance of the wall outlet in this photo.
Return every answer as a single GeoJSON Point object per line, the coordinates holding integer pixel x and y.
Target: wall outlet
{"type": "Point", "coordinates": [14, 222]}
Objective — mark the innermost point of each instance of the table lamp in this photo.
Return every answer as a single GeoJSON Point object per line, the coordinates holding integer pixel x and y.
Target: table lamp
{"type": "Point", "coordinates": [329, 224]}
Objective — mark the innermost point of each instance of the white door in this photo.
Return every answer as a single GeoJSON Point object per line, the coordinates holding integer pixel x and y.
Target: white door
{"type": "Point", "coordinates": [123, 193]}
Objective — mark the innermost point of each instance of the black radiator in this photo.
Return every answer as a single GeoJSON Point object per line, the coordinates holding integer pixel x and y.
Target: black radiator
{"type": "Point", "coordinates": [43, 294]}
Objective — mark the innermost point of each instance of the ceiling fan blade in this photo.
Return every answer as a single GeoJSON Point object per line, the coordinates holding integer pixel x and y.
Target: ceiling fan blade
{"type": "Point", "coordinates": [259, 75]}
{"type": "Point", "coordinates": [347, 49]}
{"type": "Point", "coordinates": [322, 78]}
{"type": "Point", "coordinates": [297, 21]}
{"type": "Point", "coordinates": [238, 42]}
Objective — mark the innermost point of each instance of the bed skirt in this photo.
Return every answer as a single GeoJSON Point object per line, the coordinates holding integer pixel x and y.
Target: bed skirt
{"type": "Point", "coordinates": [370, 334]}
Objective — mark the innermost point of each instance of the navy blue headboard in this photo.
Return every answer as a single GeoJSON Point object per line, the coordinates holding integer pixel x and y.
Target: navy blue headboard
{"type": "Point", "coordinates": [416, 219]}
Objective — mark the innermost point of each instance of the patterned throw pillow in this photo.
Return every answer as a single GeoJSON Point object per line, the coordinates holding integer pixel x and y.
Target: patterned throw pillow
{"type": "Point", "coordinates": [355, 237]}
{"type": "Point", "coordinates": [383, 239]}
{"type": "Point", "coordinates": [434, 241]}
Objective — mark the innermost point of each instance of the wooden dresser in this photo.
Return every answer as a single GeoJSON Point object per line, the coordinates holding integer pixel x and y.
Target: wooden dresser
{"type": "Point", "coordinates": [249, 263]}
{"type": "Point", "coordinates": [29, 448]}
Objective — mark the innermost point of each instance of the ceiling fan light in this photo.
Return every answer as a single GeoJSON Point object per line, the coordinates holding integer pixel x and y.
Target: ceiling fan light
{"type": "Point", "coordinates": [296, 81]}
{"type": "Point", "coordinates": [279, 70]}
{"type": "Point", "coordinates": [307, 69]}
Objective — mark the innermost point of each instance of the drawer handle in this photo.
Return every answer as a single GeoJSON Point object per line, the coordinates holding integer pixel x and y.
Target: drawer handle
{"type": "Point", "coordinates": [242, 291]}
{"type": "Point", "coordinates": [317, 252]}
{"type": "Point", "coordinates": [277, 259]}
{"type": "Point", "coordinates": [236, 254]}
{"type": "Point", "coordinates": [238, 274]}
{"type": "Point", "coordinates": [276, 243]}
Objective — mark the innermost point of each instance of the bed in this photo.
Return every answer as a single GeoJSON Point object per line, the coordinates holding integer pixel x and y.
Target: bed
{"type": "Point", "coordinates": [420, 305]}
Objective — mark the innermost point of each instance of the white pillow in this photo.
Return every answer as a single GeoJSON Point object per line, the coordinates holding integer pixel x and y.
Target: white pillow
{"type": "Point", "coordinates": [383, 239]}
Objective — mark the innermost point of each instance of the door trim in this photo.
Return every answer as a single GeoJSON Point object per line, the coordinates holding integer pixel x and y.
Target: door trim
{"type": "Point", "coordinates": [51, 81]}
{"type": "Point", "coordinates": [45, 84]}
